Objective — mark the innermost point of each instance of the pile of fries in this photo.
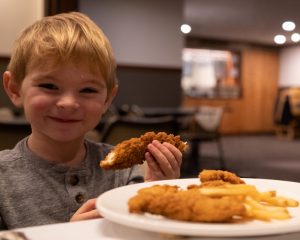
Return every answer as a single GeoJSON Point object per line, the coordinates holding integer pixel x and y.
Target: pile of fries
{"type": "Point", "coordinates": [259, 205]}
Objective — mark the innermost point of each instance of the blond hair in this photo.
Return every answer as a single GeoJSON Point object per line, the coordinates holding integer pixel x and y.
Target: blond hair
{"type": "Point", "coordinates": [62, 38]}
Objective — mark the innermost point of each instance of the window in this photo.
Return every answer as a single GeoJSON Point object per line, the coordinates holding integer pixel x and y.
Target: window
{"type": "Point", "coordinates": [211, 73]}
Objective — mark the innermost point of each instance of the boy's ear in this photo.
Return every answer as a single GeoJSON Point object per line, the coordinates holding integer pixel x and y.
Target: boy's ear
{"type": "Point", "coordinates": [110, 98]}
{"type": "Point", "coordinates": [12, 89]}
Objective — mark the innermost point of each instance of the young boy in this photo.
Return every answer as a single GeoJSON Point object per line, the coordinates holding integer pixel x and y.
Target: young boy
{"type": "Point", "coordinates": [62, 73]}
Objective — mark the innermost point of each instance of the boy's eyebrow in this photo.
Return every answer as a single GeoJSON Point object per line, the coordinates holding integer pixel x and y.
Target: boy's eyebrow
{"type": "Point", "coordinates": [96, 82]}
{"type": "Point", "coordinates": [50, 76]}
{"type": "Point", "coordinates": [42, 77]}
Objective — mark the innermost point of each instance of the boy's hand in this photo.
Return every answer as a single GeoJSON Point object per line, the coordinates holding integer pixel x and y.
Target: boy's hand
{"type": "Point", "coordinates": [163, 161]}
{"type": "Point", "coordinates": [86, 211]}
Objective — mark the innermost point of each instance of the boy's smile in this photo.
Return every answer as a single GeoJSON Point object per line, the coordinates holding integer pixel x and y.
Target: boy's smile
{"type": "Point", "coordinates": [64, 120]}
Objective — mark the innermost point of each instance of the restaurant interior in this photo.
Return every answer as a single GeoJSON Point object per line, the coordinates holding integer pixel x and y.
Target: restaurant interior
{"type": "Point", "coordinates": [225, 87]}
{"type": "Point", "coordinates": [221, 74]}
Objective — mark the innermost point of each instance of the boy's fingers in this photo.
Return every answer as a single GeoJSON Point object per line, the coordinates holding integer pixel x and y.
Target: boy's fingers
{"type": "Point", "coordinates": [86, 216]}
{"type": "Point", "coordinates": [164, 157]}
{"type": "Point", "coordinates": [91, 214]}
{"type": "Point", "coordinates": [151, 162]}
{"type": "Point", "coordinates": [87, 206]}
{"type": "Point", "coordinates": [86, 211]}
{"type": "Point", "coordinates": [175, 151]}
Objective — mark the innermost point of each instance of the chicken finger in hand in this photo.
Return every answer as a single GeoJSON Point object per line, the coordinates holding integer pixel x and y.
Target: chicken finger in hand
{"type": "Point", "coordinates": [163, 161]}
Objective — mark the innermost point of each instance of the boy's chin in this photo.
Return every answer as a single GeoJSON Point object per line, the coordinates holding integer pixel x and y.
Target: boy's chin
{"type": "Point", "coordinates": [67, 138]}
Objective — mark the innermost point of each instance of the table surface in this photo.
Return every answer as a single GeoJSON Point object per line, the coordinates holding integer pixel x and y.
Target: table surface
{"type": "Point", "coordinates": [177, 112]}
{"type": "Point", "coordinates": [104, 229]}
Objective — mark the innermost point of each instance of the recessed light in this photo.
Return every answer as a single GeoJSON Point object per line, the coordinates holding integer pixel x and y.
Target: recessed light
{"type": "Point", "coordinates": [279, 39]}
{"type": "Point", "coordinates": [295, 37]}
{"type": "Point", "coordinates": [185, 28]}
{"type": "Point", "coordinates": [288, 26]}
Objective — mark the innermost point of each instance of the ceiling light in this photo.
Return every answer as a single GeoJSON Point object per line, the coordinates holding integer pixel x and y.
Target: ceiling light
{"type": "Point", "coordinates": [295, 37]}
{"type": "Point", "coordinates": [279, 39]}
{"type": "Point", "coordinates": [288, 26]}
{"type": "Point", "coordinates": [185, 28]}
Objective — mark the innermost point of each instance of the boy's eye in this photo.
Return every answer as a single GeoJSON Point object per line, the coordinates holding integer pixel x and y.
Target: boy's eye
{"type": "Point", "coordinates": [49, 86]}
{"type": "Point", "coordinates": [88, 90]}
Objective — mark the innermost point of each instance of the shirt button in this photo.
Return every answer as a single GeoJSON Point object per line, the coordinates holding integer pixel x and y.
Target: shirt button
{"type": "Point", "coordinates": [74, 180]}
{"type": "Point", "coordinates": [79, 198]}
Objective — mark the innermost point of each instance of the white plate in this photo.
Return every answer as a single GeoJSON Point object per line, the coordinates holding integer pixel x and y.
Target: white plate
{"type": "Point", "coordinates": [113, 206]}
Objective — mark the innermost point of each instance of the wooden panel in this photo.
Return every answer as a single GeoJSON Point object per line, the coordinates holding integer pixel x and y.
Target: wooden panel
{"type": "Point", "coordinates": [253, 113]}
{"type": "Point", "coordinates": [260, 77]}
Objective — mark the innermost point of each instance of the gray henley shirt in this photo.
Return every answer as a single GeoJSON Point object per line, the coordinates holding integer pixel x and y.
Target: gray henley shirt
{"type": "Point", "coordinates": [34, 191]}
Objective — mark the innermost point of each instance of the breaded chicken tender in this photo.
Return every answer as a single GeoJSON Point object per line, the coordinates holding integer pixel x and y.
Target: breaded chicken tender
{"type": "Point", "coordinates": [132, 151]}
{"type": "Point", "coordinates": [219, 175]}
{"type": "Point", "coordinates": [186, 205]}
{"type": "Point", "coordinates": [140, 202]}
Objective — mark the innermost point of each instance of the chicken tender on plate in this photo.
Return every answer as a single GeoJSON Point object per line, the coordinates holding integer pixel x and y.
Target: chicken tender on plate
{"type": "Point", "coordinates": [140, 202]}
{"type": "Point", "coordinates": [219, 175]}
{"type": "Point", "coordinates": [132, 151]}
{"type": "Point", "coordinates": [186, 205]}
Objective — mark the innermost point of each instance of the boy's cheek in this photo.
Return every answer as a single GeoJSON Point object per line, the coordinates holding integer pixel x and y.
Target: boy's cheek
{"type": "Point", "coordinates": [37, 103]}
{"type": "Point", "coordinates": [36, 108]}
{"type": "Point", "coordinates": [96, 110]}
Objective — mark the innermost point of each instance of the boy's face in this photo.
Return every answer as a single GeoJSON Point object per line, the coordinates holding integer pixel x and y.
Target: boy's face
{"type": "Point", "coordinates": [64, 103]}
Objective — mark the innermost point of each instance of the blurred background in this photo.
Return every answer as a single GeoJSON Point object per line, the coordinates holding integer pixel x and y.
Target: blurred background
{"type": "Point", "coordinates": [233, 91]}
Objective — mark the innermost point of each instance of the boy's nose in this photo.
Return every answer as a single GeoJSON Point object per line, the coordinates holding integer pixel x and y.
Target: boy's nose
{"type": "Point", "coordinates": [67, 101]}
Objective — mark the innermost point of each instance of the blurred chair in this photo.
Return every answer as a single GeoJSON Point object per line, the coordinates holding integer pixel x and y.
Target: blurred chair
{"type": "Point", "coordinates": [119, 128]}
{"type": "Point", "coordinates": [205, 128]}
{"type": "Point", "coordinates": [287, 113]}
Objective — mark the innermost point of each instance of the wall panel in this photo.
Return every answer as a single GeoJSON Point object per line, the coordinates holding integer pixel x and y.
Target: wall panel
{"type": "Point", "coordinates": [253, 113]}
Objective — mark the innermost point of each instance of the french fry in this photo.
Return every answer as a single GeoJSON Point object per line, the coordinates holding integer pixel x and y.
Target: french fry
{"type": "Point", "coordinates": [265, 215]}
{"type": "Point", "coordinates": [258, 205]}
{"type": "Point", "coordinates": [263, 212]}
{"type": "Point", "coordinates": [289, 202]}
{"type": "Point", "coordinates": [267, 194]}
{"type": "Point", "coordinates": [263, 206]}
{"type": "Point", "coordinates": [229, 190]}
{"type": "Point", "coordinates": [280, 201]}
